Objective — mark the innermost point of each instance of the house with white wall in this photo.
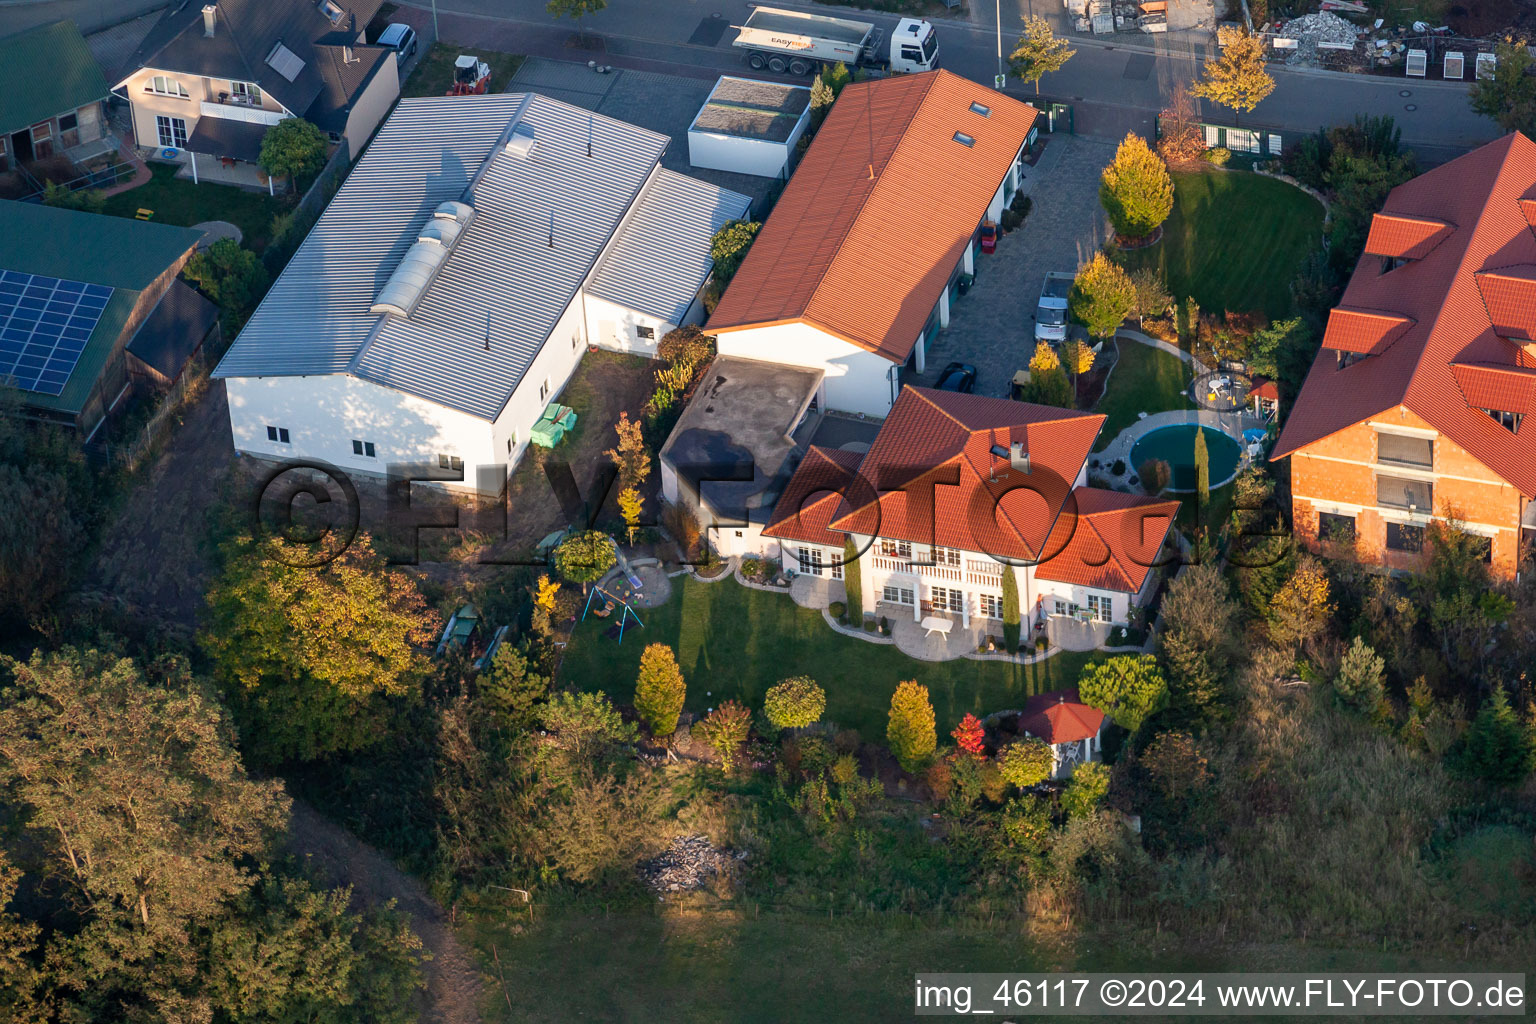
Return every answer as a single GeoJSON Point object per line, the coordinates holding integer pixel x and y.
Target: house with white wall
{"type": "Point", "coordinates": [211, 78]}
{"type": "Point", "coordinates": [854, 271]}
{"type": "Point", "coordinates": [958, 490]}
{"type": "Point", "coordinates": [451, 287]}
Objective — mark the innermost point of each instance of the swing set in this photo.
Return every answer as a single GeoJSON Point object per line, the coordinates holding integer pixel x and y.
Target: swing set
{"type": "Point", "coordinates": [615, 631]}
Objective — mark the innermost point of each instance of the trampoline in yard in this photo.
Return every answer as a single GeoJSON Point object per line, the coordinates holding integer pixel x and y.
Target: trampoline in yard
{"type": "Point", "coordinates": [1175, 445]}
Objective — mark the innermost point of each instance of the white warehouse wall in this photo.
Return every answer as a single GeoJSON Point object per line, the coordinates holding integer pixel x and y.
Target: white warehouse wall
{"type": "Point", "coordinates": [857, 380]}
{"type": "Point", "coordinates": [555, 363]}
{"type": "Point", "coordinates": [324, 414]}
{"type": "Point", "coordinates": [742, 156]}
{"type": "Point", "coordinates": [615, 327]}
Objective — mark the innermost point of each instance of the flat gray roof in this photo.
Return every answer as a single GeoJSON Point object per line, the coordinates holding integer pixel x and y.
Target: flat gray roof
{"type": "Point", "coordinates": [502, 278]}
{"type": "Point", "coordinates": [749, 109]}
{"type": "Point", "coordinates": [738, 423]}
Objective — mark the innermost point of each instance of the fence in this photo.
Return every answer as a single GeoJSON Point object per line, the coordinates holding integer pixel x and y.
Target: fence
{"type": "Point", "coordinates": [1253, 140]}
{"type": "Point", "coordinates": [137, 443]}
{"type": "Point", "coordinates": [326, 182]}
{"type": "Point", "coordinates": [103, 177]}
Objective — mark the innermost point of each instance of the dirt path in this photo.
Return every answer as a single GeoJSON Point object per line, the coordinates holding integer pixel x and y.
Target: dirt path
{"type": "Point", "coordinates": [339, 857]}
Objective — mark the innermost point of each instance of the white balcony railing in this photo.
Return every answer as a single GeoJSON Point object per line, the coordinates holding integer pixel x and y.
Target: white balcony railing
{"type": "Point", "coordinates": [238, 112]}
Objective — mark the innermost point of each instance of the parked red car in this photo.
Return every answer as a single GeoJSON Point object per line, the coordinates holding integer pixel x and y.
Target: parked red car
{"type": "Point", "coordinates": [988, 236]}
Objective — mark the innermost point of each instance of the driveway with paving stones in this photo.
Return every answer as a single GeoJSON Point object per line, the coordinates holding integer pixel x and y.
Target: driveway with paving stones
{"type": "Point", "coordinates": [992, 325]}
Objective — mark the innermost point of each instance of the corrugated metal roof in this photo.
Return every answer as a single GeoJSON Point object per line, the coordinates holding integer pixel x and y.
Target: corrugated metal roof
{"type": "Point", "coordinates": [46, 71]}
{"type": "Point", "coordinates": [660, 257]}
{"type": "Point", "coordinates": [504, 278]}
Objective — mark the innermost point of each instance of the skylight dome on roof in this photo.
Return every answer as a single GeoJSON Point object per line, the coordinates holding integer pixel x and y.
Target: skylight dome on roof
{"type": "Point", "coordinates": [423, 259]}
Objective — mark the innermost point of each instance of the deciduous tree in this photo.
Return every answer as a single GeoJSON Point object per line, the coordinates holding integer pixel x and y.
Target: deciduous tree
{"type": "Point", "coordinates": [576, 9]}
{"type": "Point", "coordinates": [630, 455]}
{"type": "Point", "coordinates": [1236, 77]}
{"type": "Point", "coordinates": [1026, 762]}
{"type": "Point", "coordinates": [1181, 139]}
{"type": "Point", "coordinates": [292, 148]}
{"type": "Point", "coordinates": [630, 507]}
{"type": "Point", "coordinates": [309, 656]}
{"type": "Point", "coordinates": [795, 703]}
{"type": "Point", "coordinates": [231, 276]}
{"type": "Point", "coordinates": [1039, 52]}
{"type": "Point", "coordinates": [969, 735]}
{"type": "Point", "coordinates": [585, 557]}
{"type": "Point", "coordinates": [134, 789]}
{"type": "Point", "coordinates": [1136, 189]}
{"type": "Point", "coordinates": [1509, 97]}
{"type": "Point", "coordinates": [1102, 296]}
{"type": "Point", "coordinates": [1127, 688]}
{"type": "Point", "coordinates": [1048, 384]}
{"type": "Point", "coordinates": [586, 725]}
{"type": "Point", "coordinates": [1086, 791]}
{"type": "Point", "coordinates": [1300, 609]}
{"type": "Point", "coordinates": [729, 247]}
{"type": "Point", "coordinates": [1151, 296]}
{"type": "Point", "coordinates": [910, 729]}
{"type": "Point", "coordinates": [38, 533]}
{"type": "Point", "coordinates": [660, 690]}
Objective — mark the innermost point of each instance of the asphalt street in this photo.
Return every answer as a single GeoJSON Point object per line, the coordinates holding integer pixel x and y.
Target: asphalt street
{"type": "Point", "coordinates": [1115, 83]}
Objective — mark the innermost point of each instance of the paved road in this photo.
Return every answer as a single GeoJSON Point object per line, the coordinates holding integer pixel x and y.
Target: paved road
{"type": "Point", "coordinates": [89, 15]}
{"type": "Point", "coordinates": [1115, 85]}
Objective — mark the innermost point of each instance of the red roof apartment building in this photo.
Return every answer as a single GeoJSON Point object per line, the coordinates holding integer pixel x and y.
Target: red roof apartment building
{"type": "Point", "coordinates": [853, 272]}
{"type": "Point", "coordinates": [1417, 404]}
{"type": "Point", "coordinates": [958, 489]}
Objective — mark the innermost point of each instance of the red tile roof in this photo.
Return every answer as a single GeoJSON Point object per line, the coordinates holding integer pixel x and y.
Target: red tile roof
{"type": "Point", "coordinates": [1365, 331]}
{"type": "Point", "coordinates": [813, 495]}
{"type": "Point", "coordinates": [1496, 386]}
{"type": "Point", "coordinates": [1490, 196]}
{"type": "Point", "coordinates": [1107, 539]}
{"type": "Point", "coordinates": [879, 211]}
{"type": "Point", "coordinates": [938, 481]}
{"type": "Point", "coordinates": [1060, 716]}
{"type": "Point", "coordinates": [931, 478]}
{"type": "Point", "coordinates": [1265, 389]}
{"type": "Point", "coordinates": [1405, 237]}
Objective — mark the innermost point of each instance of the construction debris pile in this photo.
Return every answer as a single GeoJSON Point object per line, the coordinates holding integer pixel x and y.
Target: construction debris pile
{"type": "Point", "coordinates": [689, 865]}
{"type": "Point", "coordinates": [1312, 31]}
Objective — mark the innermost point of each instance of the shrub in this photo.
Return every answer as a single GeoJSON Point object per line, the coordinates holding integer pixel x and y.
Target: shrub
{"type": "Point", "coordinates": [969, 735]}
{"type": "Point", "coordinates": [729, 247]}
{"type": "Point", "coordinates": [584, 557]}
{"type": "Point", "coordinates": [751, 568]}
{"type": "Point", "coordinates": [1027, 825]}
{"type": "Point", "coordinates": [660, 690]}
{"type": "Point", "coordinates": [1026, 763]}
{"type": "Point", "coordinates": [1218, 155]}
{"type": "Point", "coordinates": [795, 703]}
{"type": "Point", "coordinates": [724, 730]}
{"type": "Point", "coordinates": [687, 347]}
{"type": "Point", "coordinates": [1086, 791]}
{"type": "Point", "coordinates": [940, 779]}
{"type": "Point", "coordinates": [231, 276]}
{"type": "Point", "coordinates": [838, 611]}
{"type": "Point", "coordinates": [1117, 467]}
{"type": "Point", "coordinates": [910, 729]}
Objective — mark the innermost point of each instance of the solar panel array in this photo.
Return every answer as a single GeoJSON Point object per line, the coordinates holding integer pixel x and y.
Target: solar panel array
{"type": "Point", "coordinates": [44, 325]}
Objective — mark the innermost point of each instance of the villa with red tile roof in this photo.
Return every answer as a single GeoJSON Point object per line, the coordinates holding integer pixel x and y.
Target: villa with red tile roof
{"type": "Point", "coordinates": [853, 272]}
{"type": "Point", "coordinates": [1416, 408]}
{"type": "Point", "coordinates": [957, 490]}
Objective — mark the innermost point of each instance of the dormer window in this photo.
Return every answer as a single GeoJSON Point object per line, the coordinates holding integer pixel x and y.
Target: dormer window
{"type": "Point", "coordinates": [1349, 358]}
{"type": "Point", "coordinates": [1391, 263]}
{"type": "Point", "coordinates": [1510, 421]}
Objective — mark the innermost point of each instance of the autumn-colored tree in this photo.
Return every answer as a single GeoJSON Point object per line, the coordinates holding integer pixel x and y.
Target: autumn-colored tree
{"type": "Point", "coordinates": [585, 557]}
{"type": "Point", "coordinates": [310, 656]}
{"type": "Point", "coordinates": [1152, 298]}
{"type": "Point", "coordinates": [1102, 296]}
{"type": "Point", "coordinates": [970, 736]}
{"type": "Point", "coordinates": [1026, 762]}
{"type": "Point", "coordinates": [133, 789]}
{"type": "Point", "coordinates": [1136, 189]}
{"type": "Point", "coordinates": [1048, 384]}
{"type": "Point", "coordinates": [910, 729]}
{"type": "Point", "coordinates": [1155, 475]}
{"type": "Point", "coordinates": [1039, 52]}
{"type": "Point", "coordinates": [1077, 356]}
{"type": "Point", "coordinates": [687, 347]}
{"type": "Point", "coordinates": [1174, 765]}
{"type": "Point", "coordinates": [724, 730]}
{"type": "Point", "coordinates": [630, 507]}
{"type": "Point", "coordinates": [630, 455]}
{"type": "Point", "coordinates": [795, 703]}
{"type": "Point", "coordinates": [1044, 358]}
{"type": "Point", "coordinates": [1127, 688]}
{"type": "Point", "coordinates": [1236, 77]}
{"type": "Point", "coordinates": [1301, 609]}
{"type": "Point", "coordinates": [660, 690]}
{"type": "Point", "coordinates": [1182, 138]}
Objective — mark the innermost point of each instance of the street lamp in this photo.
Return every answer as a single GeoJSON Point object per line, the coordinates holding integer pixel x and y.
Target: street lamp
{"type": "Point", "coordinates": [999, 43]}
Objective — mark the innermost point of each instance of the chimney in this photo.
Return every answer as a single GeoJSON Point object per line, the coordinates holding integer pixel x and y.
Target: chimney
{"type": "Point", "coordinates": [210, 19]}
{"type": "Point", "coordinates": [1018, 458]}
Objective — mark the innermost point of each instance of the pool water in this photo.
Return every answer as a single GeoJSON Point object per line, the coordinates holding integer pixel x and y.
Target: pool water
{"type": "Point", "coordinates": [1176, 446]}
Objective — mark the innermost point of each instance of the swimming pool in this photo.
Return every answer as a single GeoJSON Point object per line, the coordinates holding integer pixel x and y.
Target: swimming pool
{"type": "Point", "coordinates": [1175, 445]}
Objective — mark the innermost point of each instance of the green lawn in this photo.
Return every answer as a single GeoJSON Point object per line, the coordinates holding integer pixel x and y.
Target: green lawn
{"type": "Point", "coordinates": [1146, 379]}
{"type": "Point", "coordinates": [434, 72]}
{"type": "Point", "coordinates": [1234, 241]}
{"type": "Point", "coordinates": [732, 641]}
{"type": "Point", "coordinates": [178, 201]}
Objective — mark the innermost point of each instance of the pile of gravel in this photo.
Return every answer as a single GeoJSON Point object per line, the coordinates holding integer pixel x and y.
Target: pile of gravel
{"type": "Point", "coordinates": [1311, 29]}
{"type": "Point", "coordinates": [690, 864]}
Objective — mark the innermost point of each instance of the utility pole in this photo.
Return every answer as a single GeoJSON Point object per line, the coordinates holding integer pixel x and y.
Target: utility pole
{"type": "Point", "coordinates": [999, 7]}
{"type": "Point", "coordinates": [435, 34]}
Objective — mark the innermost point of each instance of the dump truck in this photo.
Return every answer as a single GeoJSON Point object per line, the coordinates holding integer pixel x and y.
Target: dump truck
{"type": "Point", "coordinates": [1051, 312]}
{"type": "Point", "coordinates": [800, 44]}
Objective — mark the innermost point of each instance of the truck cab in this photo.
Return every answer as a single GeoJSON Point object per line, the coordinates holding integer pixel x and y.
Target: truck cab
{"type": "Point", "coordinates": [914, 47]}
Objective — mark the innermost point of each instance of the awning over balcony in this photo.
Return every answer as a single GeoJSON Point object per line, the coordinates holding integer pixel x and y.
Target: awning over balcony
{"type": "Point", "coordinates": [218, 136]}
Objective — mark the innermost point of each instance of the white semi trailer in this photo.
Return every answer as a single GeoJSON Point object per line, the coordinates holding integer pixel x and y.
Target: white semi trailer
{"type": "Point", "coordinates": [799, 44]}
